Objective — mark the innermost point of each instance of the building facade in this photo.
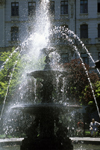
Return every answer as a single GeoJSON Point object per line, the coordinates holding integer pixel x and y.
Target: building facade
{"type": "Point", "coordinates": [80, 16]}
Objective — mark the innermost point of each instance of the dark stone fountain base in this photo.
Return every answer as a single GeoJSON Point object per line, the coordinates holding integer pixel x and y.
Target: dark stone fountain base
{"type": "Point", "coordinates": [47, 143]}
{"type": "Point", "coordinates": [46, 132]}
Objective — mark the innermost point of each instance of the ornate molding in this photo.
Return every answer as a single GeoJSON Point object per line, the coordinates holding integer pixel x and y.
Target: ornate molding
{"type": "Point", "coordinates": [2, 2]}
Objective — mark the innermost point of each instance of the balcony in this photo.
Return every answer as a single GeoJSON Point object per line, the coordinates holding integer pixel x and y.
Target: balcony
{"type": "Point", "coordinates": [83, 15]}
{"type": "Point", "coordinates": [64, 16]}
{"type": "Point", "coordinates": [14, 18]}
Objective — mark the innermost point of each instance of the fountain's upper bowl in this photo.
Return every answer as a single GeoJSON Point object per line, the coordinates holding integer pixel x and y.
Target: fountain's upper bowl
{"type": "Point", "coordinates": [43, 74]}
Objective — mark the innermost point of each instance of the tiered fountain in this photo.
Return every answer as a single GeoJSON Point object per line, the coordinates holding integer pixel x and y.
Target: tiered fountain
{"type": "Point", "coordinates": [46, 131]}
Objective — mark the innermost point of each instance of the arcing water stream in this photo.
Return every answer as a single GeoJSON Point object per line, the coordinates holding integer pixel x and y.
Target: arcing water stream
{"type": "Point", "coordinates": [70, 40]}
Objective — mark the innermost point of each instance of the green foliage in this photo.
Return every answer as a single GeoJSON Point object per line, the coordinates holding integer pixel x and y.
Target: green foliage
{"type": "Point", "coordinates": [90, 103]}
{"type": "Point", "coordinates": [97, 91]}
{"type": "Point", "coordinates": [87, 92]}
{"type": "Point", "coordinates": [5, 73]}
{"type": "Point", "coordinates": [2, 136]}
{"type": "Point", "coordinates": [15, 65]}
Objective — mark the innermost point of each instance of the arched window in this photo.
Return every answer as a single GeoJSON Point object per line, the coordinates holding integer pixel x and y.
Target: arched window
{"type": "Point", "coordinates": [84, 31]}
{"type": "Point", "coordinates": [14, 33]}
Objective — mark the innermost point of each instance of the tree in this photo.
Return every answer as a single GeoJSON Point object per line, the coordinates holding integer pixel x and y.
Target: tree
{"type": "Point", "coordinates": [6, 70]}
{"type": "Point", "coordinates": [14, 68]}
{"type": "Point", "coordinates": [89, 95]}
{"type": "Point", "coordinates": [78, 86]}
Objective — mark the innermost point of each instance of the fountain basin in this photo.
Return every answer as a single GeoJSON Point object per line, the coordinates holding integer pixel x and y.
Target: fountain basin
{"type": "Point", "coordinates": [6, 144]}
{"type": "Point", "coordinates": [43, 74]}
{"type": "Point", "coordinates": [35, 108]}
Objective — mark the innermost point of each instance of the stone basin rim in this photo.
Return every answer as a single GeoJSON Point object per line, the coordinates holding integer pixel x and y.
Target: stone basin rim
{"type": "Point", "coordinates": [42, 105]}
{"type": "Point", "coordinates": [47, 72]}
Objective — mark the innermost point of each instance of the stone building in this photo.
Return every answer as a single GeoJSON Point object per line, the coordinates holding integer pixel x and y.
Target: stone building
{"type": "Point", "coordinates": [80, 16]}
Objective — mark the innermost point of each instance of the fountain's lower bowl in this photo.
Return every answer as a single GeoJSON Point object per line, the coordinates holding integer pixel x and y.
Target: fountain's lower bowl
{"type": "Point", "coordinates": [34, 108]}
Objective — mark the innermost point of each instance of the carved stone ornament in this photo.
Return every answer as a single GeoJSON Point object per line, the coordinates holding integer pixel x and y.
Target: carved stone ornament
{"type": "Point", "coordinates": [2, 2]}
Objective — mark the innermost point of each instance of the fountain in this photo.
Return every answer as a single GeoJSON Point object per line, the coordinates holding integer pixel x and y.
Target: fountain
{"type": "Point", "coordinates": [47, 130]}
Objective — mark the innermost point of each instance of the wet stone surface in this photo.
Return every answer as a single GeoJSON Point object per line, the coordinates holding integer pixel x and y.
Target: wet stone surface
{"type": "Point", "coordinates": [76, 147]}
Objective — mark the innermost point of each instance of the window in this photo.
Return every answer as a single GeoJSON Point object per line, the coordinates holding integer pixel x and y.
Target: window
{"type": "Point", "coordinates": [83, 6]}
{"type": "Point", "coordinates": [98, 30]}
{"type": "Point", "coordinates": [98, 5]}
{"type": "Point", "coordinates": [85, 58]}
{"type": "Point", "coordinates": [84, 31]}
{"type": "Point", "coordinates": [99, 55]}
{"type": "Point", "coordinates": [15, 9]}
{"type": "Point", "coordinates": [64, 7]}
{"type": "Point", "coordinates": [31, 8]}
{"type": "Point", "coordinates": [64, 58]}
{"type": "Point", "coordinates": [14, 34]}
{"type": "Point", "coordinates": [52, 7]}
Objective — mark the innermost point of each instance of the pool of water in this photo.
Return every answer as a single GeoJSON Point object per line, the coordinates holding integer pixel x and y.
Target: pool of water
{"type": "Point", "coordinates": [76, 147]}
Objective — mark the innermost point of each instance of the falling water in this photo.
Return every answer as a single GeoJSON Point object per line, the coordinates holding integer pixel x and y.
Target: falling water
{"type": "Point", "coordinates": [84, 47]}
{"type": "Point", "coordinates": [38, 39]}
{"type": "Point", "coordinates": [69, 35]}
{"type": "Point", "coordinates": [63, 90]}
{"type": "Point", "coordinates": [35, 90]}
